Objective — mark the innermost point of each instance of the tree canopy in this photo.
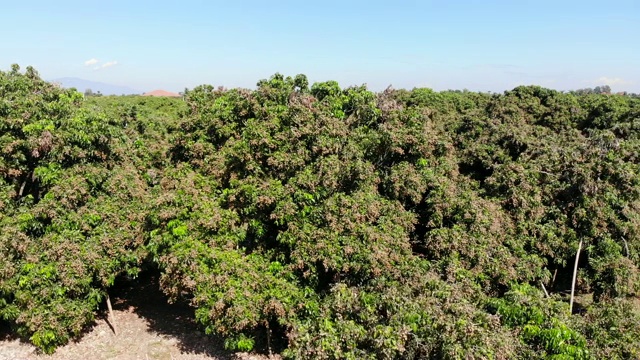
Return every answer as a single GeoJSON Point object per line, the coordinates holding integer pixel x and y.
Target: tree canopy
{"type": "Point", "coordinates": [345, 223]}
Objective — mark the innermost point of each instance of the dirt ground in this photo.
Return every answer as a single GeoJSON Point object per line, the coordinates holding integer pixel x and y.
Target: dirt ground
{"type": "Point", "coordinates": [148, 329]}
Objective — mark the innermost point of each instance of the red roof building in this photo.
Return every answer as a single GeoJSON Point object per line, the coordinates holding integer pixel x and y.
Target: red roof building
{"type": "Point", "coordinates": [161, 93]}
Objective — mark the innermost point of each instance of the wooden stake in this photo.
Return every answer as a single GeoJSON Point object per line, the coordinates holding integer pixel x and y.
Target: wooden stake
{"type": "Point", "coordinates": [269, 339]}
{"type": "Point", "coordinates": [544, 288]}
{"type": "Point", "coordinates": [626, 246]}
{"type": "Point", "coordinates": [22, 188]}
{"type": "Point", "coordinates": [113, 318]}
{"type": "Point", "coordinates": [575, 275]}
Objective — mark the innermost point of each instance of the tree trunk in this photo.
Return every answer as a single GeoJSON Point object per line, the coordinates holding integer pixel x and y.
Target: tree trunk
{"type": "Point", "coordinates": [112, 318]}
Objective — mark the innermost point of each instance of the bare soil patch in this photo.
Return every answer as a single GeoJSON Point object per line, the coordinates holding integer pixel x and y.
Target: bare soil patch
{"type": "Point", "coordinates": [148, 329]}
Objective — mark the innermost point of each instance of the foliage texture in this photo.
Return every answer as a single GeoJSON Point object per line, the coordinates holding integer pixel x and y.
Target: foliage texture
{"type": "Point", "coordinates": [338, 222]}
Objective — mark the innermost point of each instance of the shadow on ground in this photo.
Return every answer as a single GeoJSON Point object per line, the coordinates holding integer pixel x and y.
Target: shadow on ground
{"type": "Point", "coordinates": [148, 327]}
{"type": "Point", "coordinates": [143, 297]}
{"type": "Point", "coordinates": [5, 332]}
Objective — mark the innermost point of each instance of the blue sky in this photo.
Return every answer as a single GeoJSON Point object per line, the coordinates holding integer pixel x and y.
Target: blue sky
{"type": "Point", "coordinates": [477, 45]}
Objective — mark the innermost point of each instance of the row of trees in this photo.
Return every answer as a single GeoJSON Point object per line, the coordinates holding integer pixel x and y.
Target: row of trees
{"type": "Point", "coordinates": [89, 93]}
{"type": "Point", "coordinates": [340, 223]}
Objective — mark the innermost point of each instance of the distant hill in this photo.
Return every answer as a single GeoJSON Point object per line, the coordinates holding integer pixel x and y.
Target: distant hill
{"type": "Point", "coordinates": [105, 89]}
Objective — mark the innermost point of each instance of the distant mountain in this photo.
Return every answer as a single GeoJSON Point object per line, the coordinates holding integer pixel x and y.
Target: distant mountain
{"type": "Point", "coordinates": [105, 89]}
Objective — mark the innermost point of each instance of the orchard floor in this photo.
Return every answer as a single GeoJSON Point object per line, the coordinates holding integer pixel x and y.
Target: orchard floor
{"type": "Point", "coordinates": [148, 328]}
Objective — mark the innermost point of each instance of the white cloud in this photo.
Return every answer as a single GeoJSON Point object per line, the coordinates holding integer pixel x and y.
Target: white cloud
{"type": "Point", "coordinates": [106, 65]}
{"type": "Point", "coordinates": [109, 64]}
{"type": "Point", "coordinates": [92, 61]}
{"type": "Point", "coordinates": [612, 81]}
